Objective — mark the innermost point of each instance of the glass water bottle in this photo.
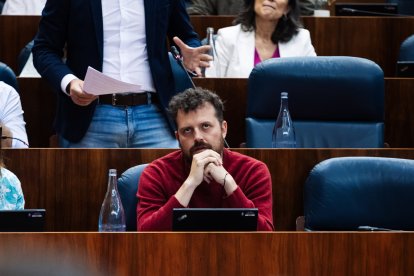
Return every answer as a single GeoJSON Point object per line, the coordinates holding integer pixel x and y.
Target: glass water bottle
{"type": "Point", "coordinates": [214, 69]}
{"type": "Point", "coordinates": [112, 215]}
{"type": "Point", "coordinates": [283, 132]}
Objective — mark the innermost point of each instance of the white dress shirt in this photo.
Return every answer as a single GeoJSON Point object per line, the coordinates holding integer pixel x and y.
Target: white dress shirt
{"type": "Point", "coordinates": [125, 56]}
{"type": "Point", "coordinates": [11, 114]}
{"type": "Point", "coordinates": [23, 7]}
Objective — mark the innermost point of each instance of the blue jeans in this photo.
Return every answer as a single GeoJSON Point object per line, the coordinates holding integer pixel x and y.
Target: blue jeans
{"type": "Point", "coordinates": [141, 126]}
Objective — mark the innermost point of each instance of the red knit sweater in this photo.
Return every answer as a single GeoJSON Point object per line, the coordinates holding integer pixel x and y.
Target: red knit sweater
{"type": "Point", "coordinates": [162, 178]}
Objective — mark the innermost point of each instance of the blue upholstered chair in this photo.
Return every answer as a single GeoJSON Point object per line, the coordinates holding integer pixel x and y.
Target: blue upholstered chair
{"type": "Point", "coordinates": [128, 187]}
{"type": "Point", "coordinates": [181, 79]}
{"type": "Point", "coordinates": [24, 56]}
{"type": "Point", "coordinates": [405, 7]}
{"type": "Point", "coordinates": [7, 75]}
{"type": "Point", "coordinates": [407, 49]}
{"type": "Point", "coordinates": [349, 192]}
{"type": "Point", "coordinates": [334, 101]}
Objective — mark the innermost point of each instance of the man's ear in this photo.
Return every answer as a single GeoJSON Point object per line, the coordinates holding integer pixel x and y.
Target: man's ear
{"type": "Point", "coordinates": [224, 128]}
{"type": "Point", "coordinates": [176, 135]}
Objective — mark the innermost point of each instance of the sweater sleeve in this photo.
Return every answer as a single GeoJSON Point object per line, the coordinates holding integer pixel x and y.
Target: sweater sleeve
{"type": "Point", "coordinates": [255, 191]}
{"type": "Point", "coordinates": [154, 209]}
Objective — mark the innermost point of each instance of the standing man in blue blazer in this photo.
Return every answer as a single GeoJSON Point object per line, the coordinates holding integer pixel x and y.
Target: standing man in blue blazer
{"type": "Point", "coordinates": [126, 40]}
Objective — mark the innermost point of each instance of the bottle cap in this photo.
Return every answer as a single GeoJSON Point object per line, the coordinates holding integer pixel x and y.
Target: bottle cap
{"type": "Point", "coordinates": [284, 94]}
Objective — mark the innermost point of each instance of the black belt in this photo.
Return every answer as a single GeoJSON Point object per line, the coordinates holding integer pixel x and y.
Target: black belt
{"type": "Point", "coordinates": [129, 99]}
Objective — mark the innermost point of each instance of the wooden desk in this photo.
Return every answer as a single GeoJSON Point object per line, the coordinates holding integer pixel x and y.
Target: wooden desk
{"type": "Point", "coordinates": [290, 253]}
{"type": "Point", "coordinates": [39, 105]}
{"type": "Point", "coordinates": [71, 183]}
{"type": "Point", "coordinates": [16, 31]}
{"type": "Point", "coordinates": [375, 38]}
{"type": "Point", "coordinates": [399, 118]}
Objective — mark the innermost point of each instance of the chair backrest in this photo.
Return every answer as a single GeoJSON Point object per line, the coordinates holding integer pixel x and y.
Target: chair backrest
{"type": "Point", "coordinates": [7, 75]}
{"type": "Point", "coordinates": [24, 56]}
{"type": "Point", "coordinates": [128, 187]}
{"type": "Point", "coordinates": [181, 79]}
{"type": "Point", "coordinates": [348, 192]}
{"type": "Point", "coordinates": [407, 49]}
{"type": "Point", "coordinates": [334, 101]}
{"type": "Point", "coordinates": [405, 7]}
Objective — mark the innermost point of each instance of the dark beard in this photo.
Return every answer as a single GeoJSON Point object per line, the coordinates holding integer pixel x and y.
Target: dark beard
{"type": "Point", "coordinates": [199, 146]}
{"type": "Point", "coordinates": [188, 158]}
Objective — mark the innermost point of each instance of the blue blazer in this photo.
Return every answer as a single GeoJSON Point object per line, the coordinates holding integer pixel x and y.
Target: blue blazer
{"type": "Point", "coordinates": [78, 25]}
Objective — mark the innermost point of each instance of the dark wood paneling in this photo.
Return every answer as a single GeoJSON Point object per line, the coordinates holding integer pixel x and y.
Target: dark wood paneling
{"type": "Point", "coordinates": [71, 183]}
{"type": "Point", "coordinates": [375, 38]}
{"type": "Point", "coordinates": [201, 23]}
{"type": "Point", "coordinates": [399, 113]}
{"type": "Point", "coordinates": [233, 92]}
{"type": "Point", "coordinates": [399, 118]}
{"type": "Point", "coordinates": [212, 253]}
{"type": "Point", "coordinates": [16, 32]}
{"type": "Point", "coordinates": [39, 106]}
{"type": "Point", "coordinates": [38, 102]}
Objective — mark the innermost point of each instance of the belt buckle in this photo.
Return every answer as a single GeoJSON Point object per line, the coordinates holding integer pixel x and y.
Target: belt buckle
{"type": "Point", "coordinates": [114, 99]}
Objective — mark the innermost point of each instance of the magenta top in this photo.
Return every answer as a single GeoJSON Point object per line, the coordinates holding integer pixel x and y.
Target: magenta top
{"type": "Point", "coordinates": [257, 59]}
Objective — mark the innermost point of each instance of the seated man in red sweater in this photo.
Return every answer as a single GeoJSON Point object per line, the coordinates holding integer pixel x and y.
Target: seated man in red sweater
{"type": "Point", "coordinates": [203, 174]}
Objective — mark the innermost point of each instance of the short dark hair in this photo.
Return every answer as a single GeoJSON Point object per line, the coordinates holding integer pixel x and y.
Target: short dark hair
{"type": "Point", "coordinates": [286, 27]}
{"type": "Point", "coordinates": [191, 99]}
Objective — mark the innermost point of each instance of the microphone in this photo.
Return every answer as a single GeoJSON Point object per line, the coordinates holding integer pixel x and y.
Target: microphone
{"type": "Point", "coordinates": [13, 138]}
{"type": "Point", "coordinates": [373, 228]}
{"type": "Point", "coordinates": [179, 60]}
{"type": "Point", "coordinates": [364, 12]}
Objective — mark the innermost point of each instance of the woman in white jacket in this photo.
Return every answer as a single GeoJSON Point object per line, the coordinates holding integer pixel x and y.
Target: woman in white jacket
{"type": "Point", "coordinates": [265, 29]}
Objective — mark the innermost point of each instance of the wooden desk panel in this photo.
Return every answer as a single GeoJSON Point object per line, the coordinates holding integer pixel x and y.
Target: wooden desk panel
{"type": "Point", "coordinates": [16, 32]}
{"type": "Point", "coordinates": [399, 114]}
{"type": "Point", "coordinates": [39, 105]}
{"type": "Point", "coordinates": [399, 118]}
{"type": "Point", "coordinates": [233, 92]}
{"type": "Point", "coordinates": [290, 253]}
{"type": "Point", "coordinates": [71, 183]}
{"type": "Point", "coordinates": [374, 38]}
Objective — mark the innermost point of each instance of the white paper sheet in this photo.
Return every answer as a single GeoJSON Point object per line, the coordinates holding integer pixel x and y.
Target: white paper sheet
{"type": "Point", "coordinates": [96, 83]}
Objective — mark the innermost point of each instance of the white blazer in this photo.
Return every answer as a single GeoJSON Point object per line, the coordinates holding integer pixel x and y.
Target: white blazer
{"type": "Point", "coordinates": [235, 51]}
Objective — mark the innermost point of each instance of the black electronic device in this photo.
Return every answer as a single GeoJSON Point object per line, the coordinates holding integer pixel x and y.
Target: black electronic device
{"type": "Point", "coordinates": [27, 220]}
{"type": "Point", "coordinates": [215, 219]}
{"type": "Point", "coordinates": [405, 69]}
{"type": "Point", "coordinates": [366, 9]}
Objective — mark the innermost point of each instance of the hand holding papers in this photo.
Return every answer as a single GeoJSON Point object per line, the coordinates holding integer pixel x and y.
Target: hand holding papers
{"type": "Point", "coordinates": [96, 83]}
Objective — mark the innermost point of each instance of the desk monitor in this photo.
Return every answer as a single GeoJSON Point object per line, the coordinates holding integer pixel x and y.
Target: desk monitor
{"type": "Point", "coordinates": [366, 9]}
{"type": "Point", "coordinates": [215, 219]}
{"type": "Point", "coordinates": [28, 220]}
{"type": "Point", "coordinates": [405, 69]}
